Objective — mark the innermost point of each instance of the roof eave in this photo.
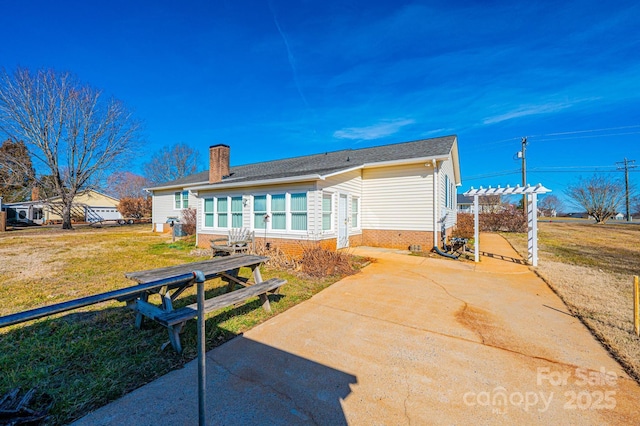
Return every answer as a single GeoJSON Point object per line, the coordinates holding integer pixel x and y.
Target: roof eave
{"type": "Point", "coordinates": [406, 161]}
{"type": "Point", "coordinates": [262, 182]}
{"type": "Point", "coordinates": [163, 188]}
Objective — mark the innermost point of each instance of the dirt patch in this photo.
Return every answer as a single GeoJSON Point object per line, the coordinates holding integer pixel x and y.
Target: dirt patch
{"type": "Point", "coordinates": [496, 333]}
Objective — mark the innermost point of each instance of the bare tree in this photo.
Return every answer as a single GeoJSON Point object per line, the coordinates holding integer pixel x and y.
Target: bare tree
{"type": "Point", "coordinates": [491, 204]}
{"type": "Point", "coordinates": [550, 205]}
{"type": "Point", "coordinates": [127, 184]}
{"type": "Point", "coordinates": [171, 163]}
{"type": "Point", "coordinates": [16, 171]}
{"type": "Point", "coordinates": [635, 205]}
{"type": "Point", "coordinates": [73, 133]}
{"type": "Point", "coordinates": [599, 195]}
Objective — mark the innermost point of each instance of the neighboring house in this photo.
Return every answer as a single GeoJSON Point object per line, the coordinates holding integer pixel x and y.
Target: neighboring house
{"type": "Point", "coordinates": [88, 206]}
{"type": "Point", "coordinates": [490, 204]}
{"type": "Point", "coordinates": [388, 196]}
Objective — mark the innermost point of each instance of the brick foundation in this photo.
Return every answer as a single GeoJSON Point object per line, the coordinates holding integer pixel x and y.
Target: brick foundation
{"type": "Point", "coordinates": [292, 248]}
{"type": "Point", "coordinates": [369, 237]}
{"type": "Point", "coordinates": [397, 239]}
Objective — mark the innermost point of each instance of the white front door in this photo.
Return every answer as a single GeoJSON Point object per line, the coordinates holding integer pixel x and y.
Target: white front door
{"type": "Point", "coordinates": [343, 224]}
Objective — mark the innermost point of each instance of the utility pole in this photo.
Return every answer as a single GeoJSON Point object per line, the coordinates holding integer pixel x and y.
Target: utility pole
{"type": "Point", "coordinates": [522, 155]}
{"type": "Point", "coordinates": [626, 165]}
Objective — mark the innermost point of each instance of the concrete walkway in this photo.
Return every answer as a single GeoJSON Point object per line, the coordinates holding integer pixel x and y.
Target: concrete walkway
{"type": "Point", "coordinates": [409, 340]}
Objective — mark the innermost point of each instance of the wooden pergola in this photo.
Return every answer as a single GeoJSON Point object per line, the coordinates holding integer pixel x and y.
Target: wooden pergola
{"type": "Point", "coordinates": [531, 193]}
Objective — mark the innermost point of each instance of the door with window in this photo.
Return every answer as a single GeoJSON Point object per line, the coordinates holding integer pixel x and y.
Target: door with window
{"type": "Point", "coordinates": [343, 223]}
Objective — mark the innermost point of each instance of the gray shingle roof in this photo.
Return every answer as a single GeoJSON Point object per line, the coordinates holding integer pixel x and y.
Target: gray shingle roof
{"type": "Point", "coordinates": [326, 162]}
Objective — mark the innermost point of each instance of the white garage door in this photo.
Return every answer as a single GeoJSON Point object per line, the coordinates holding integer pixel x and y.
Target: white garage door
{"type": "Point", "coordinates": [104, 213]}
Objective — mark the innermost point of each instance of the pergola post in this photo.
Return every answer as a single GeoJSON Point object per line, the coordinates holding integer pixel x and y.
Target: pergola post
{"type": "Point", "coordinates": [476, 228]}
{"type": "Point", "coordinates": [532, 214]}
{"type": "Point", "coordinates": [532, 228]}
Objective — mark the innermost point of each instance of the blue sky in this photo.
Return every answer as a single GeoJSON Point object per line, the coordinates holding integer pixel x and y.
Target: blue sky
{"type": "Point", "coordinates": [276, 78]}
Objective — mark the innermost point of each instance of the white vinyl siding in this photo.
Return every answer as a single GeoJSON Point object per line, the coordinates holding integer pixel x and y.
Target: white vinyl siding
{"type": "Point", "coordinates": [349, 184]}
{"type": "Point", "coordinates": [398, 198]}
{"type": "Point", "coordinates": [447, 196]}
{"type": "Point", "coordinates": [163, 206]}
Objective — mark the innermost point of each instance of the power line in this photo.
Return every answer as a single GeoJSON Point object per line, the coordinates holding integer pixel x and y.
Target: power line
{"type": "Point", "coordinates": [586, 137]}
{"type": "Point", "coordinates": [635, 126]}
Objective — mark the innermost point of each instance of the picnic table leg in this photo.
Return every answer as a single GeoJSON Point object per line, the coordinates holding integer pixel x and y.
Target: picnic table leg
{"type": "Point", "coordinates": [167, 304]}
{"type": "Point", "coordinates": [257, 277]}
{"type": "Point", "coordinates": [174, 336]}
{"type": "Point", "coordinates": [139, 317]}
{"type": "Point", "coordinates": [265, 302]}
{"type": "Point", "coordinates": [231, 283]}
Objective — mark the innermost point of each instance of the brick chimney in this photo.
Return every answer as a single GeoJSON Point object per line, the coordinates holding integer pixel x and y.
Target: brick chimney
{"type": "Point", "coordinates": [35, 193]}
{"type": "Point", "coordinates": [218, 162]}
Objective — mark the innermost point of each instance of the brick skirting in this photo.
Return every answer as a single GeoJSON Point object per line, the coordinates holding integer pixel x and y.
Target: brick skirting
{"type": "Point", "coordinates": [397, 239]}
{"type": "Point", "coordinates": [370, 237]}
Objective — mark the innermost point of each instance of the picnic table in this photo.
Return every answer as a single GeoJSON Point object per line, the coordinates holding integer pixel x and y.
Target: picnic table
{"type": "Point", "coordinates": [226, 268]}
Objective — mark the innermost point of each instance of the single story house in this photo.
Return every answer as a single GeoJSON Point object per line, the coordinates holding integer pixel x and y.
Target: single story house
{"type": "Point", "coordinates": [487, 204]}
{"type": "Point", "coordinates": [88, 206]}
{"type": "Point", "coordinates": [386, 196]}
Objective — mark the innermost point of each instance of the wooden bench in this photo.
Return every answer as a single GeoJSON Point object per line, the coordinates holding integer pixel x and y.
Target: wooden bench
{"type": "Point", "coordinates": [176, 319]}
{"type": "Point", "coordinates": [239, 240]}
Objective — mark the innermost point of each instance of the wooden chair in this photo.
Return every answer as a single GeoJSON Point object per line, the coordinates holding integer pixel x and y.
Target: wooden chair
{"type": "Point", "coordinates": [240, 240]}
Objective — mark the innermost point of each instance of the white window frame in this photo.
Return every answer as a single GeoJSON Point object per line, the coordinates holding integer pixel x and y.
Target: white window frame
{"type": "Point", "coordinates": [328, 195]}
{"type": "Point", "coordinates": [291, 212]}
{"type": "Point", "coordinates": [253, 211]}
{"type": "Point", "coordinates": [183, 200]}
{"type": "Point", "coordinates": [205, 213]}
{"type": "Point", "coordinates": [358, 224]}
{"type": "Point", "coordinates": [270, 212]}
{"type": "Point", "coordinates": [216, 213]}
{"type": "Point", "coordinates": [288, 212]}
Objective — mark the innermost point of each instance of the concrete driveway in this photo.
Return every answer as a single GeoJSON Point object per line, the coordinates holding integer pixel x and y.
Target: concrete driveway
{"type": "Point", "coordinates": [409, 340]}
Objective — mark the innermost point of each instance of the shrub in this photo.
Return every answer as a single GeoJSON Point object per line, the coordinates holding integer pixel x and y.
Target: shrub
{"type": "Point", "coordinates": [188, 221]}
{"type": "Point", "coordinates": [137, 207]}
{"type": "Point", "coordinates": [277, 258]}
{"type": "Point", "coordinates": [319, 262]}
{"type": "Point", "coordinates": [509, 219]}
{"type": "Point", "coordinates": [464, 227]}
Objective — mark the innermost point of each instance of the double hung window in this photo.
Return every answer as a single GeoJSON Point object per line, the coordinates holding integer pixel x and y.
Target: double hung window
{"type": "Point", "coordinates": [327, 212]}
{"type": "Point", "coordinates": [181, 200]}
{"type": "Point", "coordinates": [355, 212]}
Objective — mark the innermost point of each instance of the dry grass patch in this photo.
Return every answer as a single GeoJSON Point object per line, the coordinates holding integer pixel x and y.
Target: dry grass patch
{"type": "Point", "coordinates": [591, 267]}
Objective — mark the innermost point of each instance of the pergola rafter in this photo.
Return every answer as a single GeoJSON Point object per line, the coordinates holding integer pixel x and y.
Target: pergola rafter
{"type": "Point", "coordinates": [532, 214]}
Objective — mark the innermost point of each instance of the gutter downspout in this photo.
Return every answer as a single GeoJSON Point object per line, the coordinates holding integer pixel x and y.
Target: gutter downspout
{"type": "Point", "coordinates": [435, 201]}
